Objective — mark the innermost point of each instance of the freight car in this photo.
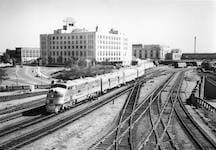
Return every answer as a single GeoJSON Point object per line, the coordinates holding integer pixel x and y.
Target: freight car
{"type": "Point", "coordinates": [64, 95]}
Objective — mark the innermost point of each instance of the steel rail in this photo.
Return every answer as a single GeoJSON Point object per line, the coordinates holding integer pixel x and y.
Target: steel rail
{"type": "Point", "coordinates": [21, 140]}
{"type": "Point", "coordinates": [134, 114]}
{"type": "Point", "coordinates": [170, 98]}
{"type": "Point", "coordinates": [143, 142]}
{"type": "Point", "coordinates": [199, 137]}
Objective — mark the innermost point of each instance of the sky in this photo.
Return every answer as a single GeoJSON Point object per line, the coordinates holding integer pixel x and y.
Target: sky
{"type": "Point", "coordinates": [166, 22]}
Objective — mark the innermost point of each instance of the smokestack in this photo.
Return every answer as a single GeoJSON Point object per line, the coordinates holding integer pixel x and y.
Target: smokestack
{"type": "Point", "coordinates": [195, 44]}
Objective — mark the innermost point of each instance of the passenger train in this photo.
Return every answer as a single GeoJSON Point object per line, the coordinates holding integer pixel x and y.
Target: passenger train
{"type": "Point", "coordinates": [63, 95]}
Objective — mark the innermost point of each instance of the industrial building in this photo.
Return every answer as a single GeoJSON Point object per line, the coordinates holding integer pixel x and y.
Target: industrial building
{"type": "Point", "coordinates": [175, 54]}
{"type": "Point", "coordinates": [96, 45]}
{"type": "Point", "coordinates": [198, 56]}
{"type": "Point", "coordinates": [152, 51]}
{"type": "Point", "coordinates": [24, 54]}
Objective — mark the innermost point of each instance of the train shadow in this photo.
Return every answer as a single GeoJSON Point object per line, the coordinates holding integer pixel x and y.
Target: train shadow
{"type": "Point", "coordinates": [35, 111]}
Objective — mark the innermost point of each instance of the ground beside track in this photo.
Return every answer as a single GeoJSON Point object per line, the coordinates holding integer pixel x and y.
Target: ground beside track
{"type": "Point", "coordinates": [86, 131]}
{"type": "Point", "coordinates": [197, 114]}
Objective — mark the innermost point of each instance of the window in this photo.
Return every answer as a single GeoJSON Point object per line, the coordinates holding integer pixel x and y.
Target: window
{"type": "Point", "coordinates": [80, 36]}
{"type": "Point", "coordinates": [72, 53]}
{"type": "Point", "coordinates": [65, 53]}
{"type": "Point", "coordinates": [61, 37]}
{"type": "Point", "coordinates": [69, 53]}
{"type": "Point", "coordinates": [68, 47]}
{"type": "Point", "coordinates": [72, 37]}
{"type": "Point", "coordinates": [76, 47]}
{"type": "Point", "coordinates": [80, 47]}
{"type": "Point", "coordinates": [77, 53]}
{"type": "Point", "coordinates": [53, 38]}
{"type": "Point", "coordinates": [81, 53]}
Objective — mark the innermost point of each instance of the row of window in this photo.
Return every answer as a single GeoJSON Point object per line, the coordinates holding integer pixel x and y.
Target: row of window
{"type": "Point", "coordinates": [31, 55]}
{"type": "Point", "coordinates": [70, 37]}
{"type": "Point", "coordinates": [108, 59]}
{"type": "Point", "coordinates": [108, 47]}
{"type": "Point", "coordinates": [108, 53]}
{"type": "Point", "coordinates": [108, 42]}
{"type": "Point", "coordinates": [72, 47]}
{"type": "Point", "coordinates": [146, 55]}
{"type": "Point", "coordinates": [70, 42]}
{"type": "Point", "coordinates": [72, 53]}
{"type": "Point", "coordinates": [108, 37]}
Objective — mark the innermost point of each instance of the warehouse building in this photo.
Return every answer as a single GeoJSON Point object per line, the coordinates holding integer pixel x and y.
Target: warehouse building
{"type": "Point", "coordinates": [198, 56]}
{"type": "Point", "coordinates": [110, 46]}
{"type": "Point", "coordinates": [152, 51]}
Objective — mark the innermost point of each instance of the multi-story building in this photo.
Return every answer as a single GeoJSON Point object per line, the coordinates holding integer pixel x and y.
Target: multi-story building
{"type": "Point", "coordinates": [175, 54]}
{"type": "Point", "coordinates": [79, 43]}
{"type": "Point", "coordinates": [24, 54]}
{"type": "Point", "coordinates": [154, 51]}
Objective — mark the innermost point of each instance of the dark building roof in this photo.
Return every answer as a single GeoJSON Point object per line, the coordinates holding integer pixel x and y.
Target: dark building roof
{"type": "Point", "coordinates": [198, 56]}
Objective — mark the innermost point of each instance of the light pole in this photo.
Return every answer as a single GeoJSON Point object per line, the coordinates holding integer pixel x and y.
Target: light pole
{"type": "Point", "coordinates": [16, 75]}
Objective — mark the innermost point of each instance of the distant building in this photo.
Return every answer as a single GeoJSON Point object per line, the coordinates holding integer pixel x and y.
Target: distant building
{"type": "Point", "coordinates": [24, 54]}
{"type": "Point", "coordinates": [175, 54]}
{"type": "Point", "coordinates": [154, 51]}
{"type": "Point", "coordinates": [110, 46]}
{"type": "Point", "coordinates": [198, 56]}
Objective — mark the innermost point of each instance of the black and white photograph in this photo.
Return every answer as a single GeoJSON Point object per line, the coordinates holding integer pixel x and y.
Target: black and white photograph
{"type": "Point", "coordinates": [107, 74]}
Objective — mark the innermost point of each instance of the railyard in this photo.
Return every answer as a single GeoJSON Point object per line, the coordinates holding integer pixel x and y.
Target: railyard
{"type": "Point", "coordinates": [148, 113]}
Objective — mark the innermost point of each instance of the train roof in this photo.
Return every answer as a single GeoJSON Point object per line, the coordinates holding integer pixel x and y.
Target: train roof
{"type": "Point", "coordinates": [77, 81]}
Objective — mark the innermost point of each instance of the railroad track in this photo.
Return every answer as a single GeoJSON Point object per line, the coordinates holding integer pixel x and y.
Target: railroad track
{"type": "Point", "coordinates": [38, 104]}
{"type": "Point", "coordinates": [26, 106]}
{"type": "Point", "coordinates": [198, 136]}
{"type": "Point", "coordinates": [21, 140]}
{"type": "Point", "coordinates": [175, 106]}
{"type": "Point", "coordinates": [121, 137]}
{"type": "Point", "coordinates": [21, 96]}
{"type": "Point", "coordinates": [31, 136]}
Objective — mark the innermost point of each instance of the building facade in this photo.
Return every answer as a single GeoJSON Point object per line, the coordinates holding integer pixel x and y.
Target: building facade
{"type": "Point", "coordinates": [175, 54]}
{"type": "Point", "coordinates": [59, 47]}
{"type": "Point", "coordinates": [153, 51]}
{"type": "Point", "coordinates": [24, 54]}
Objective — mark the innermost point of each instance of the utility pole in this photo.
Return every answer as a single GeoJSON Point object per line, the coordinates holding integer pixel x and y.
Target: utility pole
{"type": "Point", "coordinates": [195, 44]}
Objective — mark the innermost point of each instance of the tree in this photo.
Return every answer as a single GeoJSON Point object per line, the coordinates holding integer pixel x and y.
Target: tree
{"type": "Point", "coordinates": [6, 58]}
{"type": "Point", "coordinates": [50, 60]}
{"type": "Point", "coordinates": [82, 63]}
{"type": "Point", "coordinates": [59, 60]}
